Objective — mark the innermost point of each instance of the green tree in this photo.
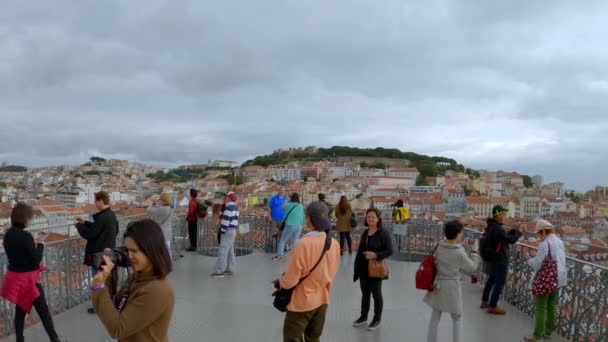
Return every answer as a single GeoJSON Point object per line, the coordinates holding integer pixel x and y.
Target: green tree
{"type": "Point", "coordinates": [421, 180]}
{"type": "Point", "coordinates": [527, 181]}
{"type": "Point", "coordinates": [363, 164]}
{"type": "Point", "coordinates": [96, 159]}
{"type": "Point", "coordinates": [2, 185]}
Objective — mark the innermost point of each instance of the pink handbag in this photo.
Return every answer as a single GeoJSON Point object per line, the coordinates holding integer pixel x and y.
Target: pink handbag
{"type": "Point", "coordinates": [546, 280]}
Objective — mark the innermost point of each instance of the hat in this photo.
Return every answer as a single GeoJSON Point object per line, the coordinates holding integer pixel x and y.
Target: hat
{"type": "Point", "coordinates": [319, 215]}
{"type": "Point", "coordinates": [541, 225]}
{"type": "Point", "coordinates": [499, 209]}
{"type": "Point", "coordinates": [232, 196]}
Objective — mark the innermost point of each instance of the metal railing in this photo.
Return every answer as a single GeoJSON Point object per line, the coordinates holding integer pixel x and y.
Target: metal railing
{"type": "Point", "coordinates": [583, 303]}
{"type": "Point", "coordinates": [66, 281]}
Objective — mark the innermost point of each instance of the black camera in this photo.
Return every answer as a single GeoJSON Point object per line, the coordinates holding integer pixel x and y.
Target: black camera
{"type": "Point", "coordinates": [119, 256]}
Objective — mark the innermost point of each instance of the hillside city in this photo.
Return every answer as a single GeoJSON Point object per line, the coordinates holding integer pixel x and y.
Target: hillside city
{"type": "Point", "coordinates": [60, 194]}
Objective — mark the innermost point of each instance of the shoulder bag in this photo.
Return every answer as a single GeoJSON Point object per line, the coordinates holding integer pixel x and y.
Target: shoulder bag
{"type": "Point", "coordinates": [282, 226]}
{"type": "Point", "coordinates": [377, 269]}
{"type": "Point", "coordinates": [282, 297]}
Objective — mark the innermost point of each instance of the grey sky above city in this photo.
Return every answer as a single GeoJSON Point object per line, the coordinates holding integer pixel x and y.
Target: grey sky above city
{"type": "Point", "coordinates": [514, 85]}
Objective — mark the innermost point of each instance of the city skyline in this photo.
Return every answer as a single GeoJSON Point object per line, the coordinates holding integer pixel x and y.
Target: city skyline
{"type": "Point", "coordinates": [492, 85]}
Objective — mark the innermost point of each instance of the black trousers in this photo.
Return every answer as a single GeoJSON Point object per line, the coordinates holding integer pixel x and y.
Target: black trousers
{"type": "Point", "coordinates": [192, 233]}
{"type": "Point", "coordinates": [371, 287]}
{"type": "Point", "coordinates": [45, 317]}
{"type": "Point", "coordinates": [345, 237]}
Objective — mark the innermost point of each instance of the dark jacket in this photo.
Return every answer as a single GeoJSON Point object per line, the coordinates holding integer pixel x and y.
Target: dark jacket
{"type": "Point", "coordinates": [23, 254]}
{"type": "Point", "coordinates": [100, 234]}
{"type": "Point", "coordinates": [379, 243]}
{"type": "Point", "coordinates": [496, 234]}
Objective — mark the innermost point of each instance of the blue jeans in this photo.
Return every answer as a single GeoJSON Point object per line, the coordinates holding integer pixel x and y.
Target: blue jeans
{"type": "Point", "coordinates": [398, 242]}
{"type": "Point", "coordinates": [495, 283]}
{"type": "Point", "coordinates": [289, 231]}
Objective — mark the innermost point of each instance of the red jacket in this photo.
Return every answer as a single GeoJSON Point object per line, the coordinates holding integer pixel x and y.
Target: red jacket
{"type": "Point", "coordinates": [192, 210]}
{"type": "Point", "coordinates": [20, 288]}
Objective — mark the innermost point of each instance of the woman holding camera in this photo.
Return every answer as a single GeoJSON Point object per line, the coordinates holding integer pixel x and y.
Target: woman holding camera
{"type": "Point", "coordinates": [450, 259]}
{"type": "Point", "coordinates": [375, 244]}
{"type": "Point", "coordinates": [145, 306]}
{"type": "Point", "coordinates": [21, 284]}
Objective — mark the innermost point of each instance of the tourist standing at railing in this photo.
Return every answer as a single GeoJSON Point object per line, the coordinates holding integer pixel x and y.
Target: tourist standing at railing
{"type": "Point", "coordinates": [450, 260]}
{"type": "Point", "coordinates": [163, 215]}
{"type": "Point", "coordinates": [145, 308]}
{"type": "Point", "coordinates": [100, 234]}
{"type": "Point", "coordinates": [294, 220]}
{"type": "Point", "coordinates": [22, 282]}
{"type": "Point", "coordinates": [192, 219]}
{"type": "Point", "coordinates": [498, 241]}
{"type": "Point", "coordinates": [305, 317]}
{"type": "Point", "coordinates": [400, 215]}
{"type": "Point", "coordinates": [551, 274]}
{"type": "Point", "coordinates": [226, 256]}
{"type": "Point", "coordinates": [344, 214]}
{"type": "Point", "coordinates": [375, 245]}
{"type": "Point", "coordinates": [276, 212]}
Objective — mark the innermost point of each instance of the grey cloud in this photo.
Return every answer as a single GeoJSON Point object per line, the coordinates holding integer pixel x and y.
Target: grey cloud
{"type": "Point", "coordinates": [184, 81]}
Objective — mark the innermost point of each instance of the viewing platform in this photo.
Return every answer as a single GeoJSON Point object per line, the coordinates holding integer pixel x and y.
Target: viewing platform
{"type": "Point", "coordinates": [239, 308]}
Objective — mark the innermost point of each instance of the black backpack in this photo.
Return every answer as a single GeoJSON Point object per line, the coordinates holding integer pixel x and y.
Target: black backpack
{"type": "Point", "coordinates": [488, 248]}
{"type": "Point", "coordinates": [201, 210]}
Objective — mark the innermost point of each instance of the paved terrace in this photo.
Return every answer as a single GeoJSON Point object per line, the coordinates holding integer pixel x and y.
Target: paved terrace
{"type": "Point", "coordinates": [239, 308]}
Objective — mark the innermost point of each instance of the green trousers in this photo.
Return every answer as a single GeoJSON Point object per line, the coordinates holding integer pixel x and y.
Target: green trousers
{"type": "Point", "coordinates": [304, 326]}
{"type": "Point", "coordinates": [546, 314]}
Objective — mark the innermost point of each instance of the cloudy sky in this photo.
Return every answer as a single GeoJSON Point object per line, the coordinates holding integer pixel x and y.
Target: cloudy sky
{"type": "Point", "coordinates": [513, 85]}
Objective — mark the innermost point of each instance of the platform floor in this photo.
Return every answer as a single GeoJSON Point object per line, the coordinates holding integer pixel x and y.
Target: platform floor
{"type": "Point", "coordinates": [239, 308]}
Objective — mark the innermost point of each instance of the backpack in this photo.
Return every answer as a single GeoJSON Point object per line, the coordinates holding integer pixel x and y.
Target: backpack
{"type": "Point", "coordinates": [488, 248]}
{"type": "Point", "coordinates": [401, 214]}
{"type": "Point", "coordinates": [427, 272]}
{"type": "Point", "coordinates": [353, 220]}
{"type": "Point", "coordinates": [201, 210]}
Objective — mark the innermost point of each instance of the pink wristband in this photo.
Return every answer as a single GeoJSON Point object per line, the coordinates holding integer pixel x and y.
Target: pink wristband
{"type": "Point", "coordinates": [98, 287]}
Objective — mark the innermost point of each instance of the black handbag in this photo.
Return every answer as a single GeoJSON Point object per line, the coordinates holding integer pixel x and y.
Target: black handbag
{"type": "Point", "coordinates": [282, 297]}
{"type": "Point", "coordinates": [282, 226]}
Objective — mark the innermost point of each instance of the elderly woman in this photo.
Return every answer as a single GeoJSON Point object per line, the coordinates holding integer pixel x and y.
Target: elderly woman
{"type": "Point", "coordinates": [451, 259]}
{"type": "Point", "coordinates": [546, 304]}
{"type": "Point", "coordinates": [162, 215]}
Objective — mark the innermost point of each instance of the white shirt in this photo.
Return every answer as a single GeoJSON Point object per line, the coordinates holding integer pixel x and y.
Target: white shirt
{"type": "Point", "coordinates": [558, 253]}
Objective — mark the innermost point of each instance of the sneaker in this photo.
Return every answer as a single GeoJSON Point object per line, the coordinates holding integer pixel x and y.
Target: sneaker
{"type": "Point", "coordinates": [497, 310]}
{"type": "Point", "coordinates": [91, 311]}
{"type": "Point", "coordinates": [531, 339]}
{"type": "Point", "coordinates": [361, 321]}
{"type": "Point", "coordinates": [350, 252]}
{"type": "Point", "coordinates": [484, 305]}
{"type": "Point", "coordinates": [277, 258]}
{"type": "Point", "coordinates": [373, 325]}
{"type": "Point", "coordinates": [341, 253]}
{"type": "Point", "coordinates": [217, 275]}
{"type": "Point", "coordinates": [228, 273]}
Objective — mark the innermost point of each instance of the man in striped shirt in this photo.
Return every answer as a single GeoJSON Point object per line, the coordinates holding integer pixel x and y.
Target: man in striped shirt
{"type": "Point", "coordinates": [226, 258]}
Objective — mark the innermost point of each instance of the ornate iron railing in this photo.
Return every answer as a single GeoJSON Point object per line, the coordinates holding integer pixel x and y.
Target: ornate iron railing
{"type": "Point", "coordinates": [583, 304]}
{"type": "Point", "coordinates": [67, 281]}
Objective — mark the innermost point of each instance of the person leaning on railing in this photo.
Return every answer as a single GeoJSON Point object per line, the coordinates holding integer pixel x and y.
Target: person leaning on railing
{"type": "Point", "coordinates": [162, 214]}
{"type": "Point", "coordinates": [145, 306]}
{"type": "Point", "coordinates": [21, 284]}
{"type": "Point", "coordinates": [550, 279]}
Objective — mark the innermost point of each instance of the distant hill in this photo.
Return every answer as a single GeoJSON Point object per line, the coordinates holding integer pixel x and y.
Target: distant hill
{"type": "Point", "coordinates": [13, 168]}
{"type": "Point", "coordinates": [429, 166]}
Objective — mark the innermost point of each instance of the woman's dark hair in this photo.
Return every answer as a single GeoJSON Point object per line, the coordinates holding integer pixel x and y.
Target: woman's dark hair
{"type": "Point", "coordinates": [103, 197]}
{"type": "Point", "coordinates": [193, 193]}
{"type": "Point", "coordinates": [343, 206]}
{"type": "Point", "coordinates": [295, 197]}
{"type": "Point", "coordinates": [452, 229]}
{"type": "Point", "coordinates": [20, 216]}
{"type": "Point", "coordinates": [150, 240]}
{"type": "Point", "coordinates": [378, 214]}
{"type": "Point", "coordinates": [321, 197]}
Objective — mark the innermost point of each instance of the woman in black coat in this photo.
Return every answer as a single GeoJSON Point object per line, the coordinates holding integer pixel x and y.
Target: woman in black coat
{"type": "Point", "coordinates": [375, 244]}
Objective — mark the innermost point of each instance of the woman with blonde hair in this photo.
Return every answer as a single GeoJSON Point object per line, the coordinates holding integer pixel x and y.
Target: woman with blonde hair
{"type": "Point", "coordinates": [344, 213]}
{"type": "Point", "coordinates": [162, 214]}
